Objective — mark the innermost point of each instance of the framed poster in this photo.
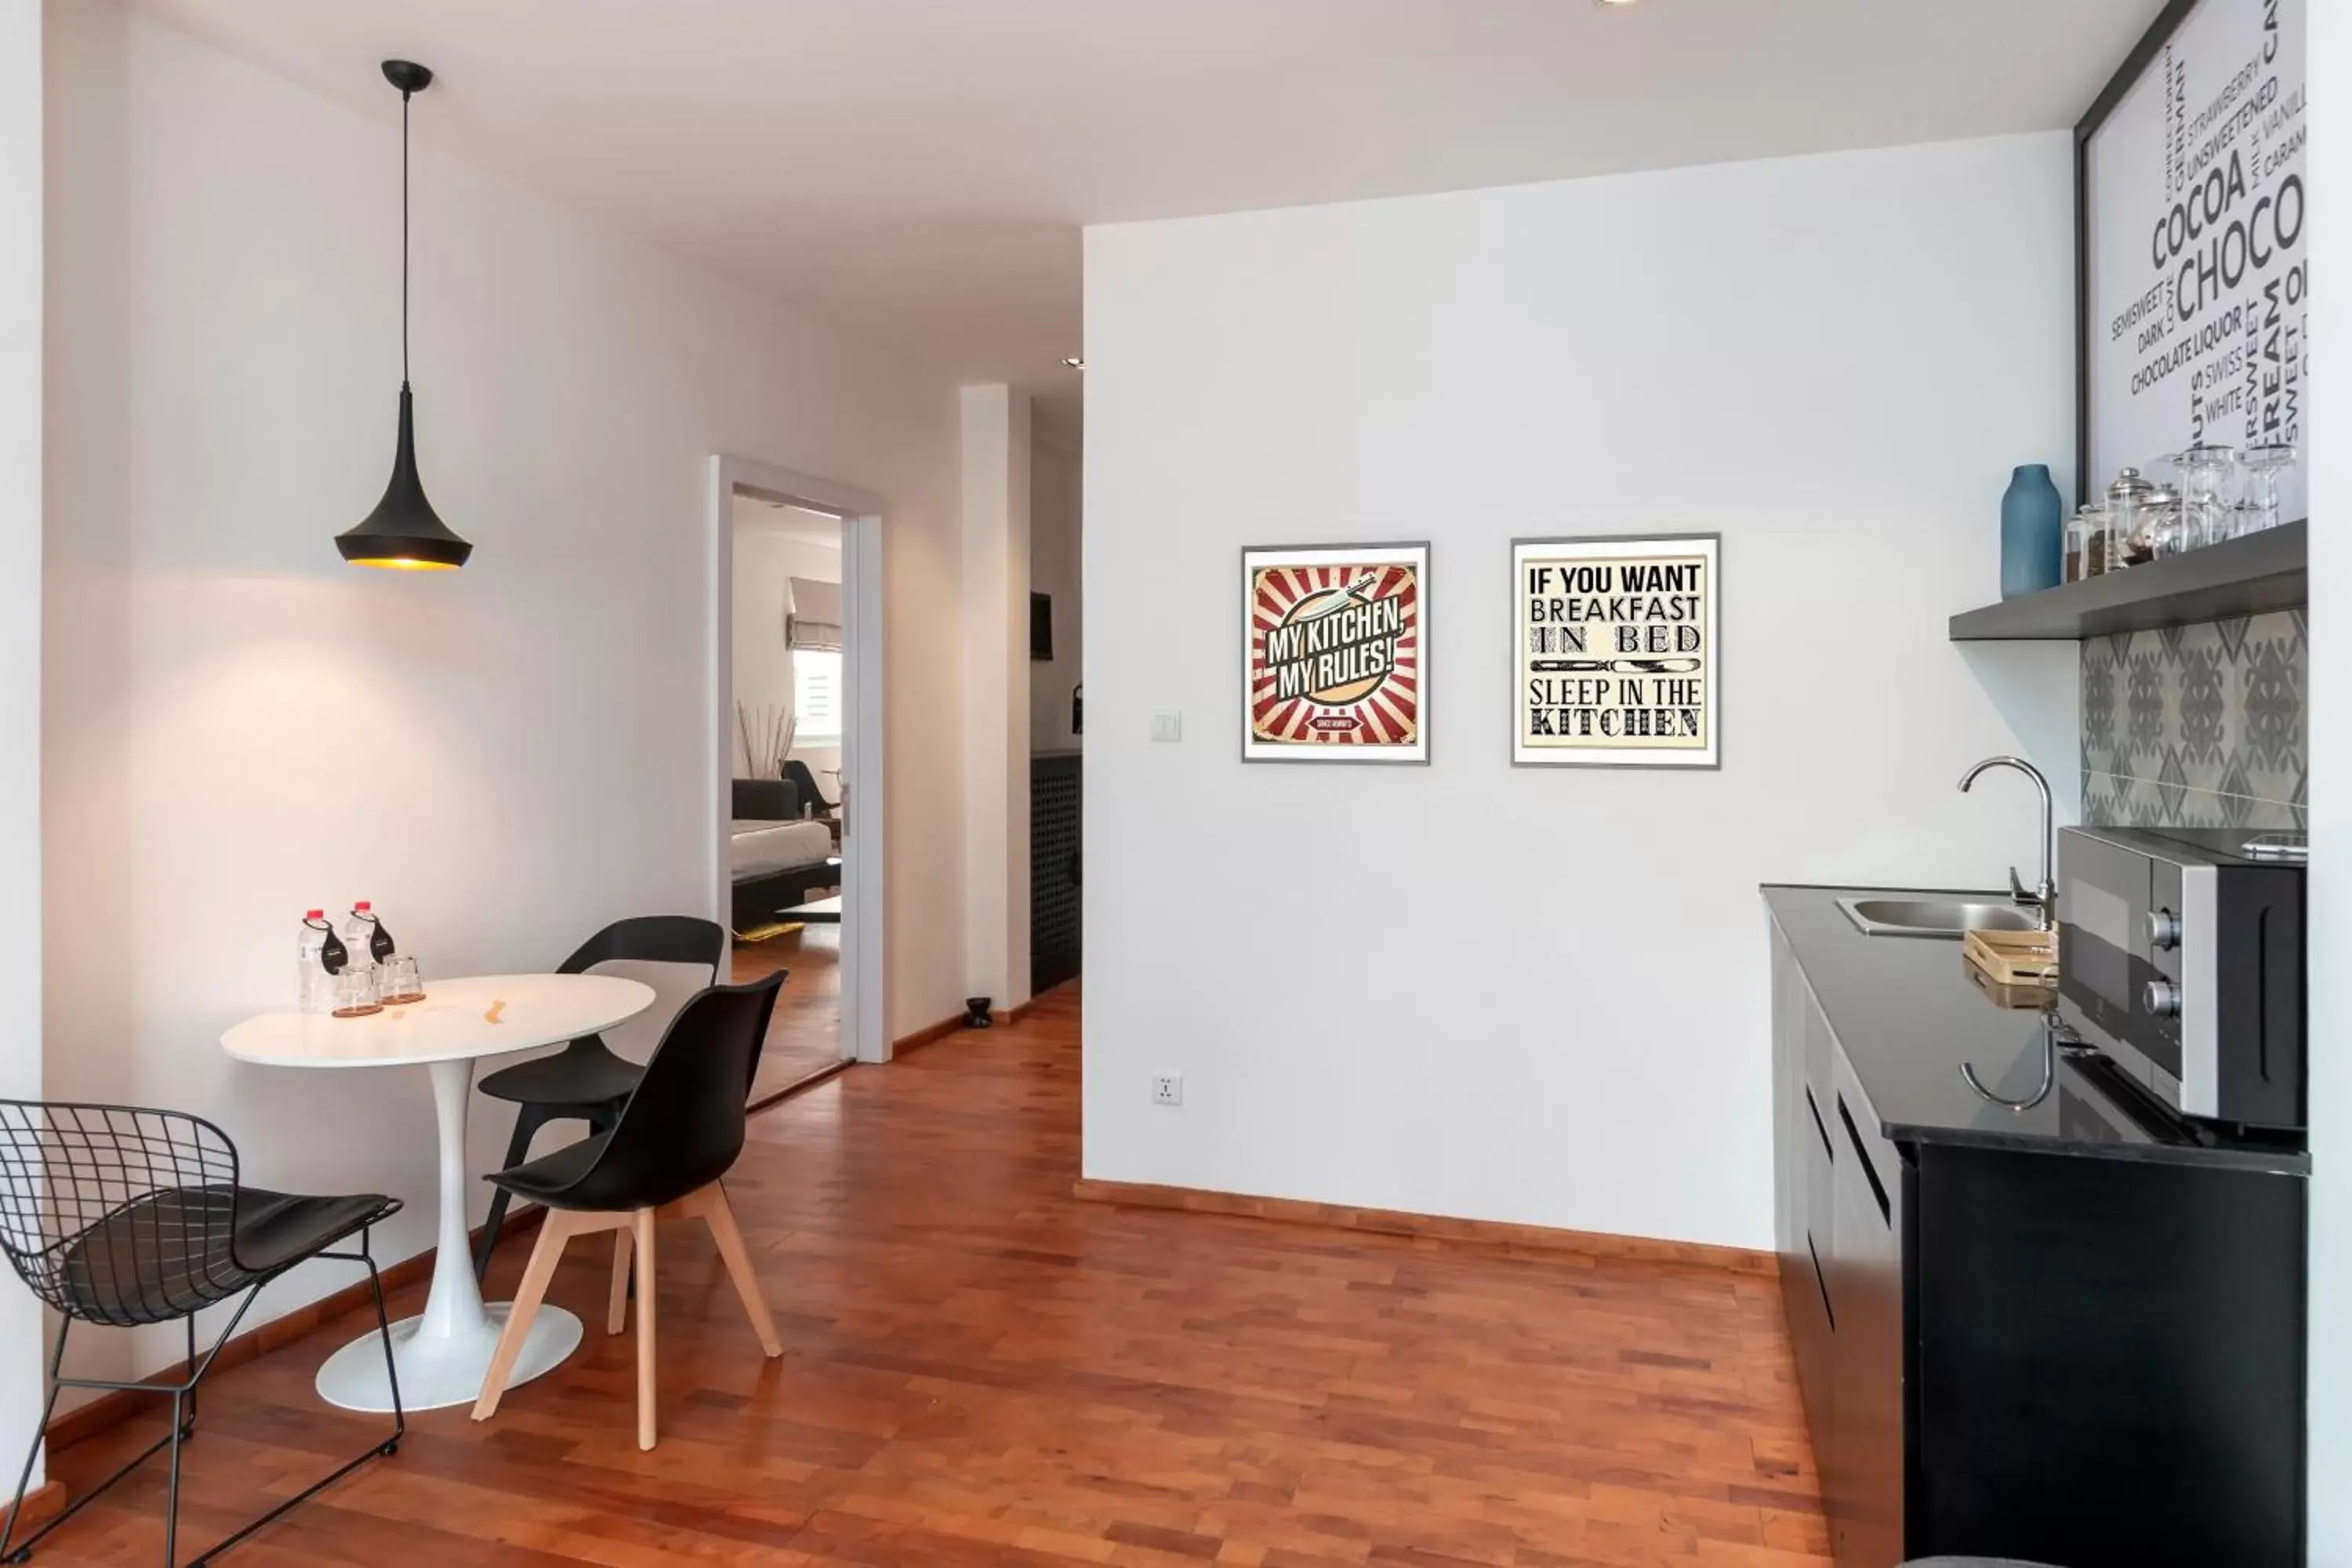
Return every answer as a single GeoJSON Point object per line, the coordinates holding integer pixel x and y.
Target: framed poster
{"type": "Point", "coordinates": [1335, 660]}
{"type": "Point", "coordinates": [1615, 643]}
{"type": "Point", "coordinates": [2193, 245]}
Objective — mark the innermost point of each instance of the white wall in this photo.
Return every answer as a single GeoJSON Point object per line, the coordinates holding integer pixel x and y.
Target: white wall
{"type": "Point", "coordinates": [504, 758]}
{"type": "Point", "coordinates": [20, 664]}
{"type": "Point", "coordinates": [995, 476]}
{"type": "Point", "coordinates": [2329, 442]}
{"type": "Point", "coordinates": [1539, 995]}
{"type": "Point", "coordinates": [767, 558]}
{"type": "Point", "coordinates": [1056, 551]}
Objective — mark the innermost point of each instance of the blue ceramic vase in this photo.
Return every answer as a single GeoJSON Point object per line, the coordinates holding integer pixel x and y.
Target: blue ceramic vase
{"type": "Point", "coordinates": [2032, 532]}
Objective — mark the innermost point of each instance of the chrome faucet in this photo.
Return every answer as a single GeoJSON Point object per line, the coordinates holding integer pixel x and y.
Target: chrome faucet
{"type": "Point", "coordinates": [2044, 897]}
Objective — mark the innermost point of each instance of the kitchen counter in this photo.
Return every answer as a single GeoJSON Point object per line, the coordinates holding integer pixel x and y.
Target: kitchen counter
{"type": "Point", "coordinates": [1907, 1017]}
{"type": "Point", "coordinates": [2068, 1332]}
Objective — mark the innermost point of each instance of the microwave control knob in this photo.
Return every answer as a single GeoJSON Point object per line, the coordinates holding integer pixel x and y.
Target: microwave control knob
{"type": "Point", "coordinates": [2162, 999]}
{"type": "Point", "coordinates": [2163, 930]}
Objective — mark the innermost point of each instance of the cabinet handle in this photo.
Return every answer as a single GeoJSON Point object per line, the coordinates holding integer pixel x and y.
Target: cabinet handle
{"type": "Point", "coordinates": [1877, 1188]}
{"type": "Point", "coordinates": [1821, 1280]}
{"type": "Point", "coordinates": [1820, 1129]}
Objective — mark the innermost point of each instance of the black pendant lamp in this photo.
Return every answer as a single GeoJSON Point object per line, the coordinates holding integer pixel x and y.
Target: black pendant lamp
{"type": "Point", "coordinates": [403, 531]}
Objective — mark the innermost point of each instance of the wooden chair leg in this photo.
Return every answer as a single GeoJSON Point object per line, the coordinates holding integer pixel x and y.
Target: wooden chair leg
{"type": "Point", "coordinates": [616, 1303]}
{"type": "Point", "coordinates": [720, 1218]}
{"type": "Point", "coordinates": [645, 1228]}
{"type": "Point", "coordinates": [545, 1253]}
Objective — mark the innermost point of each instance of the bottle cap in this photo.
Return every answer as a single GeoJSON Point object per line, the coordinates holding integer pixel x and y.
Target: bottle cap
{"type": "Point", "coordinates": [314, 914]}
{"type": "Point", "coordinates": [362, 904]}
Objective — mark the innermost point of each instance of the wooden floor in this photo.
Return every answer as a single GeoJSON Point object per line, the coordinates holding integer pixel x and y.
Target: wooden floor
{"type": "Point", "coordinates": [805, 1037]}
{"type": "Point", "coordinates": [982, 1372]}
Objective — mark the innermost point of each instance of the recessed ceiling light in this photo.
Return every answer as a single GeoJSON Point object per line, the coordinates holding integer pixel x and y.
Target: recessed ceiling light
{"type": "Point", "coordinates": [1615, 3]}
{"type": "Point", "coordinates": [1075, 363]}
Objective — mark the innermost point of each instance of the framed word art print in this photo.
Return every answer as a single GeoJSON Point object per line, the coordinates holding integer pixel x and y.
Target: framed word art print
{"type": "Point", "coordinates": [1335, 655]}
{"type": "Point", "coordinates": [2192, 218]}
{"type": "Point", "coordinates": [1616, 646]}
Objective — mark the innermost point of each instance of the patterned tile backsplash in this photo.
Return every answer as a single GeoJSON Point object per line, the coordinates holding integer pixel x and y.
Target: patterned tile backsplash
{"type": "Point", "coordinates": [2197, 726]}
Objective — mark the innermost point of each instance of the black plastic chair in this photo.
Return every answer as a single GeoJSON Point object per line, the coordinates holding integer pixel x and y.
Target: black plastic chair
{"type": "Point", "coordinates": [797, 771]}
{"type": "Point", "coordinates": [121, 1216]}
{"type": "Point", "coordinates": [585, 1082]}
{"type": "Point", "coordinates": [679, 1133]}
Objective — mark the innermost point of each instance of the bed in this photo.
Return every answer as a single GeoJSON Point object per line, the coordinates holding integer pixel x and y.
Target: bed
{"type": "Point", "coordinates": [761, 848]}
{"type": "Point", "coordinates": [777, 859]}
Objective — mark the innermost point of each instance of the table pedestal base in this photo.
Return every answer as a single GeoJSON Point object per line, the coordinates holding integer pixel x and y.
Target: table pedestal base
{"type": "Point", "coordinates": [439, 1372]}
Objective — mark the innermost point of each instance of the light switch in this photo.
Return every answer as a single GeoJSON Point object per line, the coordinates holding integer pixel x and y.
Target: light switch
{"type": "Point", "coordinates": [1168, 726]}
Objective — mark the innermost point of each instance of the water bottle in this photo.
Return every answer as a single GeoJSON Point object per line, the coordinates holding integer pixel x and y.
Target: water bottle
{"type": "Point", "coordinates": [380, 947]}
{"type": "Point", "coordinates": [360, 934]}
{"type": "Point", "coordinates": [322, 956]}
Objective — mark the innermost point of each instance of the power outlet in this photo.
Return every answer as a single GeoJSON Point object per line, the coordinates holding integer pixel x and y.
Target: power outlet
{"type": "Point", "coordinates": [1168, 1088]}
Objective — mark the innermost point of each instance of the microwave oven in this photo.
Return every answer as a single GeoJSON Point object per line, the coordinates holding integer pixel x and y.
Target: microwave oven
{"type": "Point", "coordinates": [2181, 956]}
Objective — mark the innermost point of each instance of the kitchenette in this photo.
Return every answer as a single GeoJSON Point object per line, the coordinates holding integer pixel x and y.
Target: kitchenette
{"type": "Point", "coordinates": [2041, 1170]}
{"type": "Point", "coordinates": [2042, 1153]}
{"type": "Point", "coordinates": [2037, 1313]}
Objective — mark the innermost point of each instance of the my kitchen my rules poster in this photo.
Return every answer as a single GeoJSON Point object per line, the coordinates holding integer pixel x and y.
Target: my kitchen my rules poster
{"type": "Point", "coordinates": [1616, 655]}
{"type": "Point", "coordinates": [1334, 665]}
{"type": "Point", "coordinates": [2196, 220]}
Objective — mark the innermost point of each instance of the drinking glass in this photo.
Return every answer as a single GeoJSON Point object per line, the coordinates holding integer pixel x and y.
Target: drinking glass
{"type": "Point", "coordinates": [2207, 475]}
{"type": "Point", "coordinates": [2265, 466]}
{"type": "Point", "coordinates": [402, 983]}
{"type": "Point", "coordinates": [355, 992]}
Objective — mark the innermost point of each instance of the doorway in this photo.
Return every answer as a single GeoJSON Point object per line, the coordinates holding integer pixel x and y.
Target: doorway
{"type": "Point", "coordinates": [797, 713]}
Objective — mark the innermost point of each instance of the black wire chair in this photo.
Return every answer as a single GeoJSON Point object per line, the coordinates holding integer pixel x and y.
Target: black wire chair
{"type": "Point", "coordinates": [121, 1217]}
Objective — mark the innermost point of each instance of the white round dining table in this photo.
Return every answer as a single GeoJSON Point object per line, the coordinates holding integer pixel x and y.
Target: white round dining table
{"type": "Point", "coordinates": [443, 1353]}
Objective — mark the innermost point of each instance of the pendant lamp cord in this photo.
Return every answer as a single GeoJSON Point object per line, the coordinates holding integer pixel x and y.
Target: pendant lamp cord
{"type": "Point", "coordinates": [403, 237]}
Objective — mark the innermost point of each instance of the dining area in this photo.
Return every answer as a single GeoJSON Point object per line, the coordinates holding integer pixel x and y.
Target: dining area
{"type": "Point", "coordinates": [122, 1218]}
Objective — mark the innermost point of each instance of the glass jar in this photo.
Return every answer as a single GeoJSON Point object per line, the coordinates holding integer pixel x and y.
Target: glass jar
{"type": "Point", "coordinates": [2164, 530]}
{"type": "Point", "coordinates": [2127, 498]}
{"type": "Point", "coordinates": [2087, 542]}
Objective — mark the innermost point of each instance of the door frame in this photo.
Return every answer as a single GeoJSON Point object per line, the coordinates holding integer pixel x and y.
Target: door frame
{"type": "Point", "coordinates": [865, 953]}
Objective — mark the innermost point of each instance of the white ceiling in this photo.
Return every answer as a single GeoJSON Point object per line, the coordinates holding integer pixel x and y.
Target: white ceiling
{"type": "Point", "coordinates": [917, 170]}
{"type": "Point", "coordinates": [787, 522]}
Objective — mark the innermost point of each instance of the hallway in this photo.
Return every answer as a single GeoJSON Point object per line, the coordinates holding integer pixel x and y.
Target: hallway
{"type": "Point", "coordinates": [982, 1371]}
{"type": "Point", "coordinates": [804, 1039]}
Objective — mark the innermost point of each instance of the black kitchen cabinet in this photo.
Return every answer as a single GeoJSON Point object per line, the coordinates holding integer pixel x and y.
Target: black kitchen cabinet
{"type": "Point", "coordinates": [1056, 818]}
{"type": "Point", "coordinates": [1804, 1171]}
{"type": "Point", "coordinates": [1867, 1288]}
{"type": "Point", "coordinates": [1840, 1277]}
{"type": "Point", "coordinates": [2066, 1329]}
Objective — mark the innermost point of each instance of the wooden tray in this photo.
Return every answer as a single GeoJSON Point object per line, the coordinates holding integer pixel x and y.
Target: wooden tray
{"type": "Point", "coordinates": [2033, 994]}
{"type": "Point", "coordinates": [2013, 957]}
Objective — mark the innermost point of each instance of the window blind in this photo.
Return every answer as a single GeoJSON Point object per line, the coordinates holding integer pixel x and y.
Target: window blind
{"type": "Point", "coordinates": [812, 616]}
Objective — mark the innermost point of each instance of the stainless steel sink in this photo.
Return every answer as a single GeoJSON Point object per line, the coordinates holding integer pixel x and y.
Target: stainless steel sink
{"type": "Point", "coordinates": [1946, 917]}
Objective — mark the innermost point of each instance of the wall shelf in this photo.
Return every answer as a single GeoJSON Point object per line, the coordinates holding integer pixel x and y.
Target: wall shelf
{"type": "Point", "coordinates": [2266, 571]}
